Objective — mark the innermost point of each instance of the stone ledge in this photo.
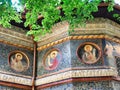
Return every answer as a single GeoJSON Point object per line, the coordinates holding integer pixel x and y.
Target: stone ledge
{"type": "Point", "coordinates": [73, 73]}
{"type": "Point", "coordinates": [80, 37]}
{"type": "Point", "coordinates": [97, 27]}
{"type": "Point", "coordinates": [15, 79]}
{"type": "Point", "coordinates": [76, 74]}
{"type": "Point", "coordinates": [15, 38]}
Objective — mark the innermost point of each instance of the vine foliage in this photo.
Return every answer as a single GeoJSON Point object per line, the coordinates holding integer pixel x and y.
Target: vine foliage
{"type": "Point", "coordinates": [75, 12]}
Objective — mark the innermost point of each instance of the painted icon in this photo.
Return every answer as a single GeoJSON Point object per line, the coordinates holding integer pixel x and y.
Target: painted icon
{"type": "Point", "coordinates": [89, 52]}
{"type": "Point", "coordinates": [112, 50]}
{"type": "Point", "coordinates": [52, 59]}
{"type": "Point", "coordinates": [18, 61]}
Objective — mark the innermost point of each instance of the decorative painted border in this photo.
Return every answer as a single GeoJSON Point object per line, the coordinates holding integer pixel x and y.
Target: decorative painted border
{"type": "Point", "coordinates": [97, 27]}
{"type": "Point", "coordinates": [15, 79]}
{"type": "Point", "coordinates": [78, 38]}
{"type": "Point", "coordinates": [14, 38]}
{"type": "Point", "coordinates": [58, 77]}
{"type": "Point", "coordinates": [16, 45]}
{"type": "Point", "coordinates": [14, 74]}
{"type": "Point", "coordinates": [72, 80]}
{"type": "Point", "coordinates": [76, 74]}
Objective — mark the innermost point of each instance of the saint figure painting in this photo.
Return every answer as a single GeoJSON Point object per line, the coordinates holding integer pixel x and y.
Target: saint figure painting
{"type": "Point", "coordinates": [51, 59]}
{"type": "Point", "coordinates": [18, 61]}
{"type": "Point", "coordinates": [89, 52]}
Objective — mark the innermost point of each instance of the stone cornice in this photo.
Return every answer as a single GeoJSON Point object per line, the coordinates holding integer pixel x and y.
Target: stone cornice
{"type": "Point", "coordinates": [7, 77]}
{"type": "Point", "coordinates": [89, 79]}
{"type": "Point", "coordinates": [99, 26]}
{"type": "Point", "coordinates": [108, 37]}
{"type": "Point", "coordinates": [15, 38]}
{"type": "Point", "coordinates": [76, 74]}
{"type": "Point", "coordinates": [61, 75]}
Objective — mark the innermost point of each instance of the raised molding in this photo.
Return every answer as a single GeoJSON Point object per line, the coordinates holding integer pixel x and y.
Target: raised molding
{"type": "Point", "coordinates": [81, 37]}
{"type": "Point", "coordinates": [100, 27]}
{"type": "Point", "coordinates": [15, 79]}
{"type": "Point", "coordinates": [15, 38]}
{"type": "Point", "coordinates": [76, 74]}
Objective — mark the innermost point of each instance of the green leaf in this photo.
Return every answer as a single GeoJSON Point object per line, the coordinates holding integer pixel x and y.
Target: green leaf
{"type": "Point", "coordinates": [76, 12]}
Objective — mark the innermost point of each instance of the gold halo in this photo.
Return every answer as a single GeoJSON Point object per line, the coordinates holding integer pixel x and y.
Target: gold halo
{"type": "Point", "coordinates": [86, 46]}
{"type": "Point", "coordinates": [18, 54]}
{"type": "Point", "coordinates": [55, 54]}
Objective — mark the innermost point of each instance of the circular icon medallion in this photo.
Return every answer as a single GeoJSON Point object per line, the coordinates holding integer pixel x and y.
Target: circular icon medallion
{"type": "Point", "coordinates": [18, 61]}
{"type": "Point", "coordinates": [89, 52]}
{"type": "Point", "coordinates": [51, 59]}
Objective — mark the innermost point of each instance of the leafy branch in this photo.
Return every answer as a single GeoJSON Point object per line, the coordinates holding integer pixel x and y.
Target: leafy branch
{"type": "Point", "coordinates": [8, 13]}
{"type": "Point", "coordinates": [76, 12]}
